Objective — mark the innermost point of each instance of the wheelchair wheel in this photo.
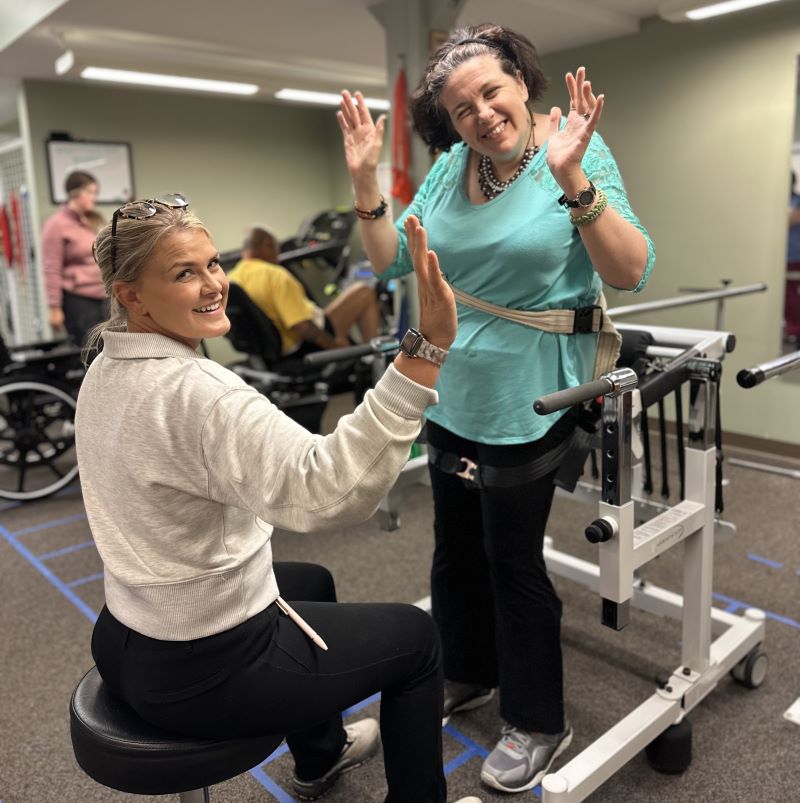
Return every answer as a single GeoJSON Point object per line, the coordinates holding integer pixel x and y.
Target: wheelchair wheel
{"type": "Point", "coordinates": [37, 439]}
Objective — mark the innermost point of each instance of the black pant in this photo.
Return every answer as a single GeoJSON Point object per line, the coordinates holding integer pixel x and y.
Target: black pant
{"type": "Point", "coordinates": [498, 614]}
{"type": "Point", "coordinates": [81, 314]}
{"type": "Point", "coordinates": [265, 676]}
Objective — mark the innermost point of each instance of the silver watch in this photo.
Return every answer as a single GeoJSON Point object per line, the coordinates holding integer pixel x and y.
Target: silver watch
{"type": "Point", "coordinates": [414, 344]}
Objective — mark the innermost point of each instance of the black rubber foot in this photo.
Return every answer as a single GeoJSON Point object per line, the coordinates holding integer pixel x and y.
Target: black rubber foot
{"type": "Point", "coordinates": [671, 752]}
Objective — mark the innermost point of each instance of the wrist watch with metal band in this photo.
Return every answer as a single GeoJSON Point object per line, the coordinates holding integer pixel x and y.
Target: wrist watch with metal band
{"type": "Point", "coordinates": [583, 199]}
{"type": "Point", "coordinates": [414, 344]}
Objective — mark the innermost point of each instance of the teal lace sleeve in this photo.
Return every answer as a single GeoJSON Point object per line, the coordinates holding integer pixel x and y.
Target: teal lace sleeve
{"type": "Point", "coordinates": [442, 176]}
{"type": "Point", "coordinates": [600, 166]}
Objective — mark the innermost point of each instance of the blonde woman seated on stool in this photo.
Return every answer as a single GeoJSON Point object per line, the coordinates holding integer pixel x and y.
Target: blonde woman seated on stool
{"type": "Point", "coordinates": [304, 327]}
{"type": "Point", "coordinates": [194, 635]}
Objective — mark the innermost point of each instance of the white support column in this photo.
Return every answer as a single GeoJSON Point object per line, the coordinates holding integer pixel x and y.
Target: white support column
{"type": "Point", "coordinates": [698, 562]}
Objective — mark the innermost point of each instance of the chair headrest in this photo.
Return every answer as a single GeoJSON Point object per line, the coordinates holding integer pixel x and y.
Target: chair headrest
{"type": "Point", "coordinates": [252, 332]}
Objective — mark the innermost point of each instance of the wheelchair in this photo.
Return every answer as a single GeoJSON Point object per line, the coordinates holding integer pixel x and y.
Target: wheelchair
{"type": "Point", "coordinates": [38, 390]}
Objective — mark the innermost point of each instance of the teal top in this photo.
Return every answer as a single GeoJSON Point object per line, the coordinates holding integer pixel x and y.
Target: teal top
{"type": "Point", "coordinates": [518, 250]}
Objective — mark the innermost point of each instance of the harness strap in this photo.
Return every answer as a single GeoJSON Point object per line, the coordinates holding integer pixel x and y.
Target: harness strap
{"type": "Point", "coordinates": [584, 320]}
{"type": "Point", "coordinates": [483, 476]}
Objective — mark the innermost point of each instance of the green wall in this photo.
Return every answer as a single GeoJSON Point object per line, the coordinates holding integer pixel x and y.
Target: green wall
{"type": "Point", "coordinates": [237, 161]}
{"type": "Point", "coordinates": [700, 117]}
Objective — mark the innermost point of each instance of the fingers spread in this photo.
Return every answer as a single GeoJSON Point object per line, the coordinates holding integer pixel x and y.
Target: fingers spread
{"type": "Point", "coordinates": [598, 110]}
{"type": "Point", "coordinates": [555, 120]}
{"type": "Point", "coordinates": [348, 109]}
{"type": "Point", "coordinates": [363, 112]}
{"type": "Point", "coordinates": [420, 255]}
{"type": "Point", "coordinates": [571, 88]}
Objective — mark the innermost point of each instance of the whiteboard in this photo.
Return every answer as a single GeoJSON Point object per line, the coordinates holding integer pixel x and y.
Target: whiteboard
{"type": "Point", "coordinates": [109, 162]}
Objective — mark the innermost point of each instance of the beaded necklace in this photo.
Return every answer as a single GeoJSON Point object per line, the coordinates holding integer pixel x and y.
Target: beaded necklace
{"type": "Point", "coordinates": [490, 185]}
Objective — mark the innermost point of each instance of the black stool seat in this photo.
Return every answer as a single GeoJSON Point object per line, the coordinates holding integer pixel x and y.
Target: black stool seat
{"type": "Point", "coordinates": [118, 749]}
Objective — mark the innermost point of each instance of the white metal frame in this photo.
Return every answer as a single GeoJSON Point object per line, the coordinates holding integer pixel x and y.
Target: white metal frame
{"type": "Point", "coordinates": [713, 641]}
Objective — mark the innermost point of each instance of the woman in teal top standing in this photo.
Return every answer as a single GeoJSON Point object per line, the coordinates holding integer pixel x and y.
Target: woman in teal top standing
{"type": "Point", "coordinates": [526, 211]}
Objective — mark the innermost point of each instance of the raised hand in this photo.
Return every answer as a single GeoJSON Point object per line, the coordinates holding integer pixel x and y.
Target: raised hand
{"type": "Point", "coordinates": [363, 139]}
{"type": "Point", "coordinates": [566, 146]}
{"type": "Point", "coordinates": [437, 307]}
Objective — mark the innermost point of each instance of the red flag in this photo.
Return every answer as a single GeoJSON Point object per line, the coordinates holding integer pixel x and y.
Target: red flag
{"type": "Point", "coordinates": [402, 188]}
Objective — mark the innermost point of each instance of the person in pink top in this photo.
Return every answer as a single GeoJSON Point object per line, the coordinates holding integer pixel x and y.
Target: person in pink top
{"type": "Point", "coordinates": [75, 295]}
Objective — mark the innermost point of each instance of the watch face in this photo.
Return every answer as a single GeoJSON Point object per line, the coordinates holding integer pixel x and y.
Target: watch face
{"type": "Point", "coordinates": [586, 198]}
{"type": "Point", "coordinates": [410, 342]}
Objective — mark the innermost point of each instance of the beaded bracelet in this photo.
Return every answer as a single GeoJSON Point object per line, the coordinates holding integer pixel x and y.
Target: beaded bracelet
{"type": "Point", "coordinates": [372, 214]}
{"type": "Point", "coordinates": [600, 204]}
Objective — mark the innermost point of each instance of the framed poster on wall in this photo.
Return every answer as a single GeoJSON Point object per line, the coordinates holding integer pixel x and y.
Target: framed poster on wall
{"type": "Point", "coordinates": [109, 162]}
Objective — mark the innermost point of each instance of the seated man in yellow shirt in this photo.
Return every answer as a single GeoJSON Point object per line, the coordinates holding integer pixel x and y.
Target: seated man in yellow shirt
{"type": "Point", "coordinates": [304, 327]}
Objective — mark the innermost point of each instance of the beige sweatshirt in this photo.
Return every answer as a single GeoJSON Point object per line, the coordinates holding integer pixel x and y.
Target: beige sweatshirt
{"type": "Point", "coordinates": [185, 469]}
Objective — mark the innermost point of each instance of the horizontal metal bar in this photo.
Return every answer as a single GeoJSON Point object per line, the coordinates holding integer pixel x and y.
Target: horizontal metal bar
{"type": "Point", "coordinates": [748, 377]}
{"type": "Point", "coordinates": [611, 751]}
{"type": "Point", "coordinates": [683, 301]}
{"type": "Point", "coordinates": [769, 469]}
{"type": "Point", "coordinates": [662, 351]}
{"type": "Point", "coordinates": [666, 530]}
{"type": "Point", "coordinates": [678, 336]}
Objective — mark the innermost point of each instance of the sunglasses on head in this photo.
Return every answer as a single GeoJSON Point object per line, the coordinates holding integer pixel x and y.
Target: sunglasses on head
{"type": "Point", "coordinates": [140, 210]}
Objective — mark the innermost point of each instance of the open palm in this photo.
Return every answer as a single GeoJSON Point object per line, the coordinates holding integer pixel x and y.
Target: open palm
{"type": "Point", "coordinates": [363, 139]}
{"type": "Point", "coordinates": [566, 146]}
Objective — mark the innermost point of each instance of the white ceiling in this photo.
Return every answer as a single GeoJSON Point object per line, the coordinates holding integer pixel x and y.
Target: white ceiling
{"type": "Point", "coordinates": [312, 44]}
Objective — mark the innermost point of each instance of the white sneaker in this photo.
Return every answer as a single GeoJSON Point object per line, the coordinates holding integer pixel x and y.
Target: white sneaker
{"type": "Point", "coordinates": [471, 799]}
{"type": "Point", "coordinates": [522, 758]}
{"type": "Point", "coordinates": [362, 742]}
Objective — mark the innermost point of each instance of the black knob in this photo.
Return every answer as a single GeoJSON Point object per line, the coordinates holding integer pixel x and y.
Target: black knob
{"type": "Point", "coordinates": [599, 530]}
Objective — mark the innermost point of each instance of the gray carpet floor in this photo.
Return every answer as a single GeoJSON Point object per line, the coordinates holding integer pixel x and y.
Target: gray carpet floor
{"type": "Point", "coordinates": [743, 748]}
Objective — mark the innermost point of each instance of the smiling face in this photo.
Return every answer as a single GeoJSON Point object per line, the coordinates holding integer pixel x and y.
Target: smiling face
{"type": "Point", "coordinates": [182, 291]}
{"type": "Point", "coordinates": [487, 108]}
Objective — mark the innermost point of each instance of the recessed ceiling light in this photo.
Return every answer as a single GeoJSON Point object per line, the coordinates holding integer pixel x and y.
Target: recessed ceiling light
{"type": "Point", "coordinates": [681, 10]}
{"type": "Point", "coordinates": [167, 81]}
{"type": "Point", "coordinates": [325, 98]}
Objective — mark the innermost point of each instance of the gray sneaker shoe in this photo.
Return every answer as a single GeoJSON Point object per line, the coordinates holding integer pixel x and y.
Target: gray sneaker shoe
{"type": "Point", "coordinates": [463, 697]}
{"type": "Point", "coordinates": [521, 759]}
{"type": "Point", "coordinates": [363, 741]}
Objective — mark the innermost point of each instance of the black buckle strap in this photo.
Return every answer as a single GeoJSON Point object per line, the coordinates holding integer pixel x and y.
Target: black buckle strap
{"type": "Point", "coordinates": [451, 463]}
{"type": "Point", "coordinates": [474, 475]}
{"type": "Point", "coordinates": [587, 320]}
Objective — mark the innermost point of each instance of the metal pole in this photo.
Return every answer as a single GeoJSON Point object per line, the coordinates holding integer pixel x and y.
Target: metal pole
{"type": "Point", "coordinates": [780, 365]}
{"type": "Point", "coordinates": [697, 298]}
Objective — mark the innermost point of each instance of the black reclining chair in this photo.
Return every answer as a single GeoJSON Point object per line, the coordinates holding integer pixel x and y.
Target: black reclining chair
{"type": "Point", "coordinates": [301, 391]}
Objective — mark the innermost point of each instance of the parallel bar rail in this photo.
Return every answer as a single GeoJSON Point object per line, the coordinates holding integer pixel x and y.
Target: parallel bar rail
{"type": "Point", "coordinates": [696, 298]}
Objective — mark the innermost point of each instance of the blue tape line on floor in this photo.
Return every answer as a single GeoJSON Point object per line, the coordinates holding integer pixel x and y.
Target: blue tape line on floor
{"type": "Point", "coordinates": [737, 604]}
{"type": "Point", "coordinates": [460, 759]}
{"type": "Point", "coordinates": [49, 576]}
{"type": "Point", "coordinates": [57, 553]}
{"type": "Point", "coordinates": [83, 580]}
{"type": "Point", "coordinates": [766, 561]}
{"type": "Point", "coordinates": [466, 741]}
{"type": "Point", "coordinates": [48, 524]}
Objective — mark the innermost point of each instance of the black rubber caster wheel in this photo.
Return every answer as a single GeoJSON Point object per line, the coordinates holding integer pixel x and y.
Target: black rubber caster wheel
{"type": "Point", "coordinates": [751, 671]}
{"type": "Point", "coordinates": [671, 752]}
